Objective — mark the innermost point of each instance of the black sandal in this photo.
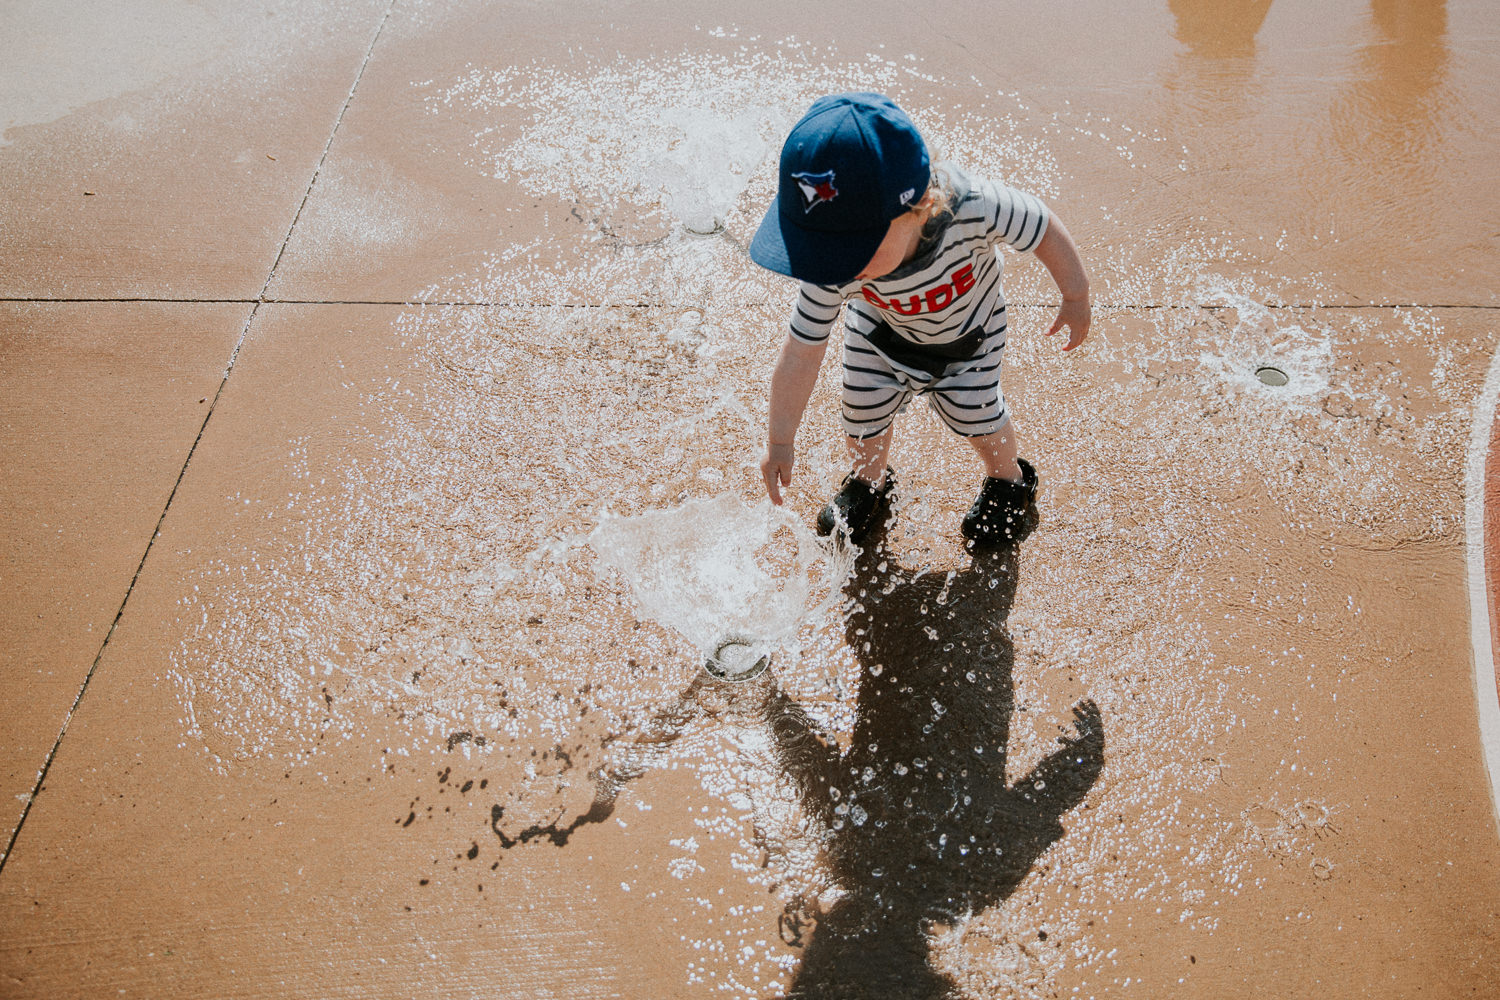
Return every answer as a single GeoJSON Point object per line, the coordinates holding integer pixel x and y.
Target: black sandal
{"type": "Point", "coordinates": [1004, 511]}
{"type": "Point", "coordinates": [857, 507]}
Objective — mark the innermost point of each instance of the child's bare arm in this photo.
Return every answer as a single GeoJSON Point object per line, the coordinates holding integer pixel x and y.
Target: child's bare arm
{"type": "Point", "coordinates": [791, 385]}
{"type": "Point", "coordinates": [1060, 256]}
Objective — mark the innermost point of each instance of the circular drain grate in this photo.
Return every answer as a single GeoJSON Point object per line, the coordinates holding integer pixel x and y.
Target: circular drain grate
{"type": "Point", "coordinates": [1271, 375]}
{"type": "Point", "coordinates": [737, 660]}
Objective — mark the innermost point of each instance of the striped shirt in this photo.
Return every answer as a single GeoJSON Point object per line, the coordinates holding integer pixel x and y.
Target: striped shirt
{"type": "Point", "coordinates": [951, 288]}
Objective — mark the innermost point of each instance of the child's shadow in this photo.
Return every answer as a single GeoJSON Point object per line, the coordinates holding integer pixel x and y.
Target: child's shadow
{"type": "Point", "coordinates": [926, 829]}
{"type": "Point", "coordinates": [923, 827]}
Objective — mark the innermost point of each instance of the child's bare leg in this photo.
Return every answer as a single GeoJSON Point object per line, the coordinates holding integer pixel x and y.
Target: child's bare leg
{"type": "Point", "coordinates": [869, 455]}
{"type": "Point", "coordinates": [998, 451]}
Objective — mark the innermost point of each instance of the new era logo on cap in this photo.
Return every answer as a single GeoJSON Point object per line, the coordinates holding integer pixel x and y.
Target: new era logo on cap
{"type": "Point", "coordinates": [815, 188]}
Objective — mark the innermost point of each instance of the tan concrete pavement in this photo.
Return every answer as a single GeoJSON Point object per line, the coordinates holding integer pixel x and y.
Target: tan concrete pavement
{"type": "Point", "coordinates": [258, 875]}
{"type": "Point", "coordinates": [184, 189]}
{"type": "Point", "coordinates": [102, 404]}
{"type": "Point", "coordinates": [370, 652]}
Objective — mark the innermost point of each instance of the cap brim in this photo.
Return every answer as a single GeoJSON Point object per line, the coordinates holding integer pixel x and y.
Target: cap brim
{"type": "Point", "coordinates": [808, 255]}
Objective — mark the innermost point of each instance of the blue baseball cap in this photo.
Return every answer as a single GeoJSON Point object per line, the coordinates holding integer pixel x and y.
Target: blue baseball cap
{"type": "Point", "coordinates": [851, 165]}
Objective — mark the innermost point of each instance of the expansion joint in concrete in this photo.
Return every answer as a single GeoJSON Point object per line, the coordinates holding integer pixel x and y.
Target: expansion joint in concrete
{"type": "Point", "coordinates": [264, 300]}
{"type": "Point", "coordinates": [182, 472]}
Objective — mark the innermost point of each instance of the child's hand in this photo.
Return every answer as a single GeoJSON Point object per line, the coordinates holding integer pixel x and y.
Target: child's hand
{"type": "Point", "coordinates": [1060, 256]}
{"type": "Point", "coordinates": [1075, 314]}
{"type": "Point", "coordinates": [776, 468]}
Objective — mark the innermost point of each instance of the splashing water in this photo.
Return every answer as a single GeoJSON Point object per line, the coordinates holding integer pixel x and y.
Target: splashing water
{"type": "Point", "coordinates": [688, 151]}
{"type": "Point", "coordinates": [736, 581]}
{"type": "Point", "coordinates": [687, 141]}
{"type": "Point", "coordinates": [704, 164]}
{"type": "Point", "coordinates": [1257, 340]}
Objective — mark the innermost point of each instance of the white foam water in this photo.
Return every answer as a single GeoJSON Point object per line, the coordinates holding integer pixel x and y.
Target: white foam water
{"type": "Point", "coordinates": [689, 137]}
{"type": "Point", "coordinates": [737, 581]}
{"type": "Point", "coordinates": [702, 161]}
{"type": "Point", "coordinates": [1261, 337]}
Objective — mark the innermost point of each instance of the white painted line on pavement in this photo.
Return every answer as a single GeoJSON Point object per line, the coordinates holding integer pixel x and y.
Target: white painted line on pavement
{"type": "Point", "coordinates": [1479, 606]}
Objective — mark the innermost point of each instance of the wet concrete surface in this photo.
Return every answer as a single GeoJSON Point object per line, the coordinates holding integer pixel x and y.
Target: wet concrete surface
{"type": "Point", "coordinates": [375, 722]}
{"type": "Point", "coordinates": [101, 406]}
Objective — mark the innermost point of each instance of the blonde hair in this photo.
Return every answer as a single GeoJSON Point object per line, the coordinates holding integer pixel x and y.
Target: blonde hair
{"type": "Point", "coordinates": [937, 201]}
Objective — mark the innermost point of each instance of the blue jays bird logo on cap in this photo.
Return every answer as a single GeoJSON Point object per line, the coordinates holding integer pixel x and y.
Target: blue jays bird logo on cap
{"type": "Point", "coordinates": [815, 188]}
